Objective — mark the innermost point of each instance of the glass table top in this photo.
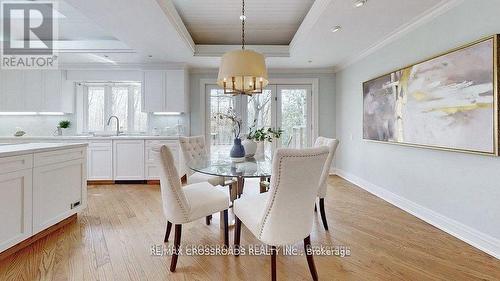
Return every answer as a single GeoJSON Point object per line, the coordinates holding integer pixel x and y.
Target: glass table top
{"type": "Point", "coordinates": [218, 165]}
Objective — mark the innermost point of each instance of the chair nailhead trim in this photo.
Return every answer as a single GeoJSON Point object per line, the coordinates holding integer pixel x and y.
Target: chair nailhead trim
{"type": "Point", "coordinates": [277, 185]}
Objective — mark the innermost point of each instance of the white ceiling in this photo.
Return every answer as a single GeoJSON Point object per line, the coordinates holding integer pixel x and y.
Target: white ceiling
{"type": "Point", "coordinates": [218, 21]}
{"type": "Point", "coordinates": [154, 27]}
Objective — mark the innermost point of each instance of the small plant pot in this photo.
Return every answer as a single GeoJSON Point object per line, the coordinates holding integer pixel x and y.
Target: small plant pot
{"type": "Point", "coordinates": [250, 147]}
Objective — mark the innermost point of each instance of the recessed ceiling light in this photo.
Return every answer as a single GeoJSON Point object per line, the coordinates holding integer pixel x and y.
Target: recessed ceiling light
{"type": "Point", "coordinates": [336, 28]}
{"type": "Point", "coordinates": [360, 3]}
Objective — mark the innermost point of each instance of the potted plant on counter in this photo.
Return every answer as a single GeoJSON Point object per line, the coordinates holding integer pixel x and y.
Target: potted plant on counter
{"type": "Point", "coordinates": [63, 124]}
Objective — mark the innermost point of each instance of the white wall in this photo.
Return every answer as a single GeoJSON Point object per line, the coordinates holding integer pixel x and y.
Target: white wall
{"type": "Point", "coordinates": [457, 191]}
{"type": "Point", "coordinates": [326, 99]}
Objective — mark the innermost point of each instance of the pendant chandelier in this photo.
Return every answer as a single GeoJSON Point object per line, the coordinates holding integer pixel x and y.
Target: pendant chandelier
{"type": "Point", "coordinates": [242, 72]}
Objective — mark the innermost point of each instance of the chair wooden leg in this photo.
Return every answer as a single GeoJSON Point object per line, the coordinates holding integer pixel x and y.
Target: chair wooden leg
{"type": "Point", "coordinates": [167, 233]}
{"type": "Point", "coordinates": [322, 211]}
{"type": "Point", "coordinates": [273, 263]}
{"type": "Point", "coordinates": [309, 256]}
{"type": "Point", "coordinates": [208, 219]}
{"type": "Point", "coordinates": [226, 228]}
{"type": "Point", "coordinates": [237, 234]}
{"type": "Point", "coordinates": [177, 243]}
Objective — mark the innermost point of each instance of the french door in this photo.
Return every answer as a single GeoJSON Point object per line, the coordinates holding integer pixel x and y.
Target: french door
{"type": "Point", "coordinates": [288, 107]}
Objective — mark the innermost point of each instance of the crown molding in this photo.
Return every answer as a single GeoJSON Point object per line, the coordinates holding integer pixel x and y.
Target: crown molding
{"type": "Point", "coordinates": [418, 21]}
{"type": "Point", "coordinates": [173, 16]}
{"type": "Point", "coordinates": [314, 14]}
{"type": "Point", "coordinates": [271, 71]}
{"type": "Point", "coordinates": [122, 66]}
{"type": "Point", "coordinates": [219, 50]}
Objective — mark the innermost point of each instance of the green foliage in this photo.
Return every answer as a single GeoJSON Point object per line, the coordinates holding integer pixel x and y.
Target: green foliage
{"type": "Point", "coordinates": [264, 134]}
{"type": "Point", "coordinates": [65, 124]}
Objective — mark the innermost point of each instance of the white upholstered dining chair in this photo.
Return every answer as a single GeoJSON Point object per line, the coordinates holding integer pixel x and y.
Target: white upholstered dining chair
{"type": "Point", "coordinates": [283, 216]}
{"type": "Point", "coordinates": [332, 147]}
{"type": "Point", "coordinates": [186, 204]}
{"type": "Point", "coordinates": [194, 148]}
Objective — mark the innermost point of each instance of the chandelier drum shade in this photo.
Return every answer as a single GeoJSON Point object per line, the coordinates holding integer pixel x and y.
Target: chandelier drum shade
{"type": "Point", "coordinates": [242, 72]}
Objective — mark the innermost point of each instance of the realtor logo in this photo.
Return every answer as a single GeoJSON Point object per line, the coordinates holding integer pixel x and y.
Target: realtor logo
{"type": "Point", "coordinates": [28, 30]}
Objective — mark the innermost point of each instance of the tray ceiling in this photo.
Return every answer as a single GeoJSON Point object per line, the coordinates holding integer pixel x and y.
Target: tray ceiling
{"type": "Point", "coordinates": [217, 21]}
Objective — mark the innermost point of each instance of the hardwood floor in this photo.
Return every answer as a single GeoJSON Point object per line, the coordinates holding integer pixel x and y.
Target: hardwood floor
{"type": "Point", "coordinates": [112, 240]}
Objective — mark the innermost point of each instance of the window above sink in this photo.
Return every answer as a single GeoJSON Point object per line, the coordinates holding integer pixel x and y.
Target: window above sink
{"type": "Point", "coordinates": [102, 100]}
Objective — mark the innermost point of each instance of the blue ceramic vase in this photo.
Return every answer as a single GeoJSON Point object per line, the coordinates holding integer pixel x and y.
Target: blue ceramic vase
{"type": "Point", "coordinates": [237, 151]}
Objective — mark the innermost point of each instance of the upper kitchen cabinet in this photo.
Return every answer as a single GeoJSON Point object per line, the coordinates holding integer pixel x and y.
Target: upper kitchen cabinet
{"type": "Point", "coordinates": [11, 90]}
{"type": "Point", "coordinates": [165, 90]}
{"type": "Point", "coordinates": [35, 91]}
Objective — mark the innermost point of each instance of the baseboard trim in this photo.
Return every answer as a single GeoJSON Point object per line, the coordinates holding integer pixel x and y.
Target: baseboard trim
{"type": "Point", "coordinates": [477, 239]}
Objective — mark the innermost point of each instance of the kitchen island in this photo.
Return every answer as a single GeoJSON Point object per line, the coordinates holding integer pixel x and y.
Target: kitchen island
{"type": "Point", "coordinates": [112, 159]}
{"type": "Point", "coordinates": [41, 185]}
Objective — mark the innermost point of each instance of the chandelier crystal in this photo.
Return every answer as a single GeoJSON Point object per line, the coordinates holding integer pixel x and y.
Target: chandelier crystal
{"type": "Point", "coordinates": [242, 72]}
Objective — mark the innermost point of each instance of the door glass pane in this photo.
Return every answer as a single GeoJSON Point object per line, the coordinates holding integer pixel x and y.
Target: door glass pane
{"type": "Point", "coordinates": [140, 118]}
{"type": "Point", "coordinates": [259, 110]}
{"type": "Point", "coordinates": [95, 113]}
{"type": "Point", "coordinates": [119, 108]}
{"type": "Point", "coordinates": [221, 130]}
{"type": "Point", "coordinates": [294, 118]}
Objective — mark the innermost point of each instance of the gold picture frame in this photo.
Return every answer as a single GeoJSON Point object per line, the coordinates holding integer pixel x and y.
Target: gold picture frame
{"type": "Point", "coordinates": [496, 103]}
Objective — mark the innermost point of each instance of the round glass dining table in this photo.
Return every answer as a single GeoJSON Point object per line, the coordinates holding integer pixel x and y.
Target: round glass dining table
{"type": "Point", "coordinates": [223, 166]}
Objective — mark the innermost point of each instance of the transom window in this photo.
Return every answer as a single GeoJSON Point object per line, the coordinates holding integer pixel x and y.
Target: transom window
{"type": "Point", "coordinates": [121, 100]}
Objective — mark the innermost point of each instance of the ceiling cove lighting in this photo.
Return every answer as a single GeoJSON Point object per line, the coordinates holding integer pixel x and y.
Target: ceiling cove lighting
{"type": "Point", "coordinates": [242, 72]}
{"type": "Point", "coordinates": [28, 113]}
{"type": "Point", "coordinates": [336, 28]}
{"type": "Point", "coordinates": [360, 3]}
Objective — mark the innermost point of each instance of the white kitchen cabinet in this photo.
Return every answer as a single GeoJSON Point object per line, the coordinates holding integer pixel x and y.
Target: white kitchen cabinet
{"type": "Point", "coordinates": [39, 189]}
{"type": "Point", "coordinates": [177, 91]}
{"type": "Point", "coordinates": [57, 190]}
{"type": "Point", "coordinates": [11, 90]}
{"type": "Point", "coordinates": [165, 91]}
{"type": "Point", "coordinates": [35, 91]}
{"type": "Point", "coordinates": [128, 159]}
{"type": "Point", "coordinates": [15, 207]}
{"type": "Point", "coordinates": [153, 91]}
{"type": "Point", "coordinates": [100, 160]}
{"type": "Point", "coordinates": [152, 154]}
{"type": "Point", "coordinates": [52, 91]}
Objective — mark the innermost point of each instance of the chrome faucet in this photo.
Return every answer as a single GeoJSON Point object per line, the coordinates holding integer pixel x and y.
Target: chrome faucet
{"type": "Point", "coordinates": [117, 124]}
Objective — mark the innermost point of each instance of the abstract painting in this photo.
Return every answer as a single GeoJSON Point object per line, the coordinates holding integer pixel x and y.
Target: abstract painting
{"type": "Point", "coordinates": [448, 102]}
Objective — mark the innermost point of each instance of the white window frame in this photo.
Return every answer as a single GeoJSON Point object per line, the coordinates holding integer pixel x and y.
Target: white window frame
{"type": "Point", "coordinates": [107, 100]}
{"type": "Point", "coordinates": [313, 82]}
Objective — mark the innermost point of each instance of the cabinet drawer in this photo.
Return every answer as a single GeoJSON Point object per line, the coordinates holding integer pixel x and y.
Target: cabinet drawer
{"type": "Point", "coordinates": [100, 144]}
{"type": "Point", "coordinates": [158, 143]}
{"type": "Point", "coordinates": [51, 157]}
{"type": "Point", "coordinates": [15, 163]}
{"type": "Point", "coordinates": [153, 152]}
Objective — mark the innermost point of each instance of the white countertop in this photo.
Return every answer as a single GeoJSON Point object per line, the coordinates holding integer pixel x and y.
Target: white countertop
{"type": "Point", "coordinates": [89, 138]}
{"type": "Point", "coordinates": [27, 148]}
